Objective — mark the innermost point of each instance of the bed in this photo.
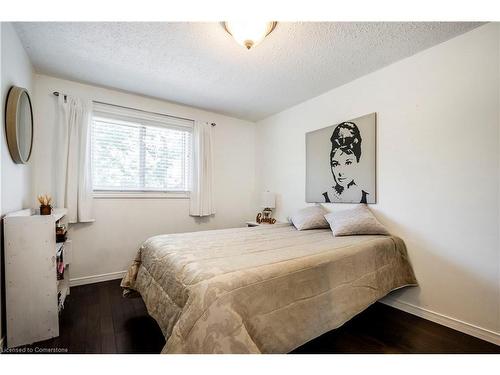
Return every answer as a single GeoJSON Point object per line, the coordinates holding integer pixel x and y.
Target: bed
{"type": "Point", "coordinates": [263, 289]}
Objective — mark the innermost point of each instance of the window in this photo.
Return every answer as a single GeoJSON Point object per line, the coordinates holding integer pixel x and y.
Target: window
{"type": "Point", "coordinates": [136, 151]}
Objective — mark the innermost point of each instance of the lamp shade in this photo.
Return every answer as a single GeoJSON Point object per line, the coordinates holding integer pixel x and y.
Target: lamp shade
{"type": "Point", "coordinates": [249, 33]}
{"type": "Point", "coordinates": [268, 200]}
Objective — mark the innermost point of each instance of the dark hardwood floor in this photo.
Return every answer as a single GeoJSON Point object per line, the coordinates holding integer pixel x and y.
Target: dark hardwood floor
{"type": "Point", "coordinates": [97, 319]}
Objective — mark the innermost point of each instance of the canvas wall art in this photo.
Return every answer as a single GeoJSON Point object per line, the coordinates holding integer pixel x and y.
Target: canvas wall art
{"type": "Point", "coordinates": [340, 162]}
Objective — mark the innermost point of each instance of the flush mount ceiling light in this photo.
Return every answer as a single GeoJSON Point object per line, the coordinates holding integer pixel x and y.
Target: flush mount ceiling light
{"type": "Point", "coordinates": [249, 33]}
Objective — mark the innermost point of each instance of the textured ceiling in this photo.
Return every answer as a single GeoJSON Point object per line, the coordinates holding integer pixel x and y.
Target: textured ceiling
{"type": "Point", "coordinates": [198, 64]}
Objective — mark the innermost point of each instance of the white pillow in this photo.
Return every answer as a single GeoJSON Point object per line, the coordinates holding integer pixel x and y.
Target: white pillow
{"type": "Point", "coordinates": [310, 218]}
{"type": "Point", "coordinates": [358, 220]}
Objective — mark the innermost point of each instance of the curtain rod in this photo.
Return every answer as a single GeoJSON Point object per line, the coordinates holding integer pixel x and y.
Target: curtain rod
{"type": "Point", "coordinates": [56, 93]}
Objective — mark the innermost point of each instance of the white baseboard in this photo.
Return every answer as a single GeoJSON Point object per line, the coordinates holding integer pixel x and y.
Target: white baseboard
{"type": "Point", "coordinates": [444, 320]}
{"type": "Point", "coordinates": [96, 278]}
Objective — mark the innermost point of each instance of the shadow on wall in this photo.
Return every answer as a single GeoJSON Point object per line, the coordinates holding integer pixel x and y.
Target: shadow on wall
{"type": "Point", "coordinates": [421, 248]}
{"type": "Point", "coordinates": [197, 219]}
{"type": "Point", "coordinates": [202, 219]}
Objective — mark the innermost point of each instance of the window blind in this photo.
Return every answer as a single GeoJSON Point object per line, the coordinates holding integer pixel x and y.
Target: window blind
{"type": "Point", "coordinates": [140, 151]}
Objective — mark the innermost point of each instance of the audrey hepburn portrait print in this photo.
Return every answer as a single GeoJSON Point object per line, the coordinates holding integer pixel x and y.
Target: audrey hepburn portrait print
{"type": "Point", "coordinates": [341, 168]}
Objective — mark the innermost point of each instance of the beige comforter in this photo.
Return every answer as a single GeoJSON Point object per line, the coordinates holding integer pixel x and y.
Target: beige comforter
{"type": "Point", "coordinates": [262, 289]}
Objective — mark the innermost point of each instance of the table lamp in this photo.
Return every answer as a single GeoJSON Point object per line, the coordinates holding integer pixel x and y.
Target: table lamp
{"type": "Point", "coordinates": [267, 202]}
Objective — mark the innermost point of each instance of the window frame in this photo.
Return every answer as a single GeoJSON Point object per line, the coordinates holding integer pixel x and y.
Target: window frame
{"type": "Point", "coordinates": [139, 194]}
{"type": "Point", "coordinates": [144, 118]}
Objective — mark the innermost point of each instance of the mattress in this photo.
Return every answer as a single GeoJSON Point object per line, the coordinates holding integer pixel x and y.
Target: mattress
{"type": "Point", "coordinates": [262, 289]}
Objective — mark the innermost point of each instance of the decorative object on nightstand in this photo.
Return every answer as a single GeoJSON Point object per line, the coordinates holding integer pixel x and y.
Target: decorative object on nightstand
{"type": "Point", "coordinates": [268, 202]}
{"type": "Point", "coordinates": [45, 207]}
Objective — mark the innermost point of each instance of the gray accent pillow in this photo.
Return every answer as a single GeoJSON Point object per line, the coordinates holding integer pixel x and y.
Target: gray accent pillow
{"type": "Point", "coordinates": [358, 220]}
{"type": "Point", "coordinates": [310, 218]}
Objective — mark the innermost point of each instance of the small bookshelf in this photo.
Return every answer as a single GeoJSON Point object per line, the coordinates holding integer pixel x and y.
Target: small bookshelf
{"type": "Point", "coordinates": [34, 293]}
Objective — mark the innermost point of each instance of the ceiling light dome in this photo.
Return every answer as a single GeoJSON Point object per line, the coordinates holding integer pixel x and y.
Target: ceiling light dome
{"type": "Point", "coordinates": [249, 33]}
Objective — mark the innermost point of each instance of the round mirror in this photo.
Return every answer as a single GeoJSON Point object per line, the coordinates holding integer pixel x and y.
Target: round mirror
{"type": "Point", "coordinates": [19, 124]}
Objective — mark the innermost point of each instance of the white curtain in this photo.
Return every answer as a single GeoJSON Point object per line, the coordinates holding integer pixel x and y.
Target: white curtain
{"type": "Point", "coordinates": [202, 192]}
{"type": "Point", "coordinates": [73, 175]}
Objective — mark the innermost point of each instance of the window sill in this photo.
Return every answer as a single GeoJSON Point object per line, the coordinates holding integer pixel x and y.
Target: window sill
{"type": "Point", "coordinates": [140, 195]}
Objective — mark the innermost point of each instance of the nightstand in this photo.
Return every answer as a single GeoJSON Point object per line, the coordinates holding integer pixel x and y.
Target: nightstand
{"type": "Point", "coordinates": [277, 224]}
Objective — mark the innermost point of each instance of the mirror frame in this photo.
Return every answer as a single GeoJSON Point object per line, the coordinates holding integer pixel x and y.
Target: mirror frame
{"type": "Point", "coordinates": [11, 118]}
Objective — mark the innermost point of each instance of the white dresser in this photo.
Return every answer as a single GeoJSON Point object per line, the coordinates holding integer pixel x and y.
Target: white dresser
{"type": "Point", "coordinates": [33, 294]}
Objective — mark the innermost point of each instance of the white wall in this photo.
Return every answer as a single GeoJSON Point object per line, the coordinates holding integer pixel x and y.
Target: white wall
{"type": "Point", "coordinates": [437, 167]}
{"type": "Point", "coordinates": [16, 70]}
{"type": "Point", "coordinates": [110, 244]}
